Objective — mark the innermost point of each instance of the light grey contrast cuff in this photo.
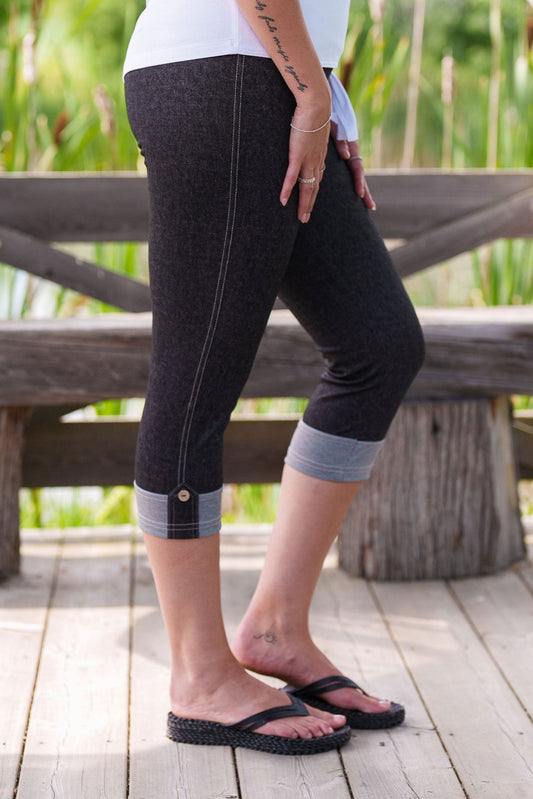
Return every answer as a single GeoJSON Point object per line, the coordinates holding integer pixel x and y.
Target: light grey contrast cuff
{"type": "Point", "coordinates": [330, 457]}
{"type": "Point", "coordinates": [152, 511]}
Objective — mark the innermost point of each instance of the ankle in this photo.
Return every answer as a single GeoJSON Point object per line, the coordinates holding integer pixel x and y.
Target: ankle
{"type": "Point", "coordinates": [265, 619]}
{"type": "Point", "coordinates": [192, 676]}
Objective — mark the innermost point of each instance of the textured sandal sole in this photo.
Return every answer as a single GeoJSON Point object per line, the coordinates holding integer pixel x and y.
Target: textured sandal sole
{"type": "Point", "coordinates": [210, 733]}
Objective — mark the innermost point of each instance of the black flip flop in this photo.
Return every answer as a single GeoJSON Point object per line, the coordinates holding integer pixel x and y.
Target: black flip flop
{"type": "Point", "coordinates": [357, 719]}
{"type": "Point", "coordinates": [212, 733]}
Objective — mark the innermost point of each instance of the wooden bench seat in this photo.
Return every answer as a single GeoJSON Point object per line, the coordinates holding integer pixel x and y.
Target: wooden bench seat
{"type": "Point", "coordinates": [51, 367]}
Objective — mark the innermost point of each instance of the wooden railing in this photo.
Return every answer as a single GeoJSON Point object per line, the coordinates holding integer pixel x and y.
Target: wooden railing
{"type": "Point", "coordinates": [52, 366]}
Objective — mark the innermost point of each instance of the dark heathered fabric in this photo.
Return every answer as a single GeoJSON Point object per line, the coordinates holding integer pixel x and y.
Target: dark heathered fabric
{"type": "Point", "coordinates": [214, 133]}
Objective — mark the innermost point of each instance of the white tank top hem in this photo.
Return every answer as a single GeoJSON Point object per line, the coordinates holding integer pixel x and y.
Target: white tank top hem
{"type": "Point", "coordinates": [169, 31]}
{"type": "Point", "coordinates": [153, 57]}
{"type": "Point", "coordinates": [178, 30]}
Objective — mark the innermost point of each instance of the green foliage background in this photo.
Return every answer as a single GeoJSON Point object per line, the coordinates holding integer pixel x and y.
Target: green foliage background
{"type": "Point", "coordinates": [62, 108]}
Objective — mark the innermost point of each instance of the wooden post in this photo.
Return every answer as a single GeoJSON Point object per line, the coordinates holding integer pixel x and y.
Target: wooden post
{"type": "Point", "coordinates": [442, 501]}
{"type": "Point", "coordinates": [12, 424]}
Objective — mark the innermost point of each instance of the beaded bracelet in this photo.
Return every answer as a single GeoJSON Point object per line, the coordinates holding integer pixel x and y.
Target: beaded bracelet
{"type": "Point", "coordinates": [315, 130]}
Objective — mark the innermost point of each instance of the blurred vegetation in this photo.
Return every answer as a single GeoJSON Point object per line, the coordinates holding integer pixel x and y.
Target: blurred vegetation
{"type": "Point", "coordinates": [435, 83]}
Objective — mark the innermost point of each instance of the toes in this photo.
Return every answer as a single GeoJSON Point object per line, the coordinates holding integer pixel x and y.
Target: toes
{"type": "Point", "coordinates": [298, 727]}
{"type": "Point", "coordinates": [334, 721]}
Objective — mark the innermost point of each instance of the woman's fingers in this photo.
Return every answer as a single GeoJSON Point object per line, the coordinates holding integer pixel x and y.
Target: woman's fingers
{"type": "Point", "coordinates": [291, 177]}
{"type": "Point", "coordinates": [308, 180]}
{"type": "Point", "coordinates": [307, 155]}
{"type": "Point", "coordinates": [355, 163]}
{"type": "Point", "coordinates": [308, 190]}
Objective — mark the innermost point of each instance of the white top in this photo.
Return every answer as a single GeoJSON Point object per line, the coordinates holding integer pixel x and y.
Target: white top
{"type": "Point", "coordinates": [181, 30]}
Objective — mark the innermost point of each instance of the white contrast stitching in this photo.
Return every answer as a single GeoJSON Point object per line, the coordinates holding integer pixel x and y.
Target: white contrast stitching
{"type": "Point", "coordinates": [224, 263]}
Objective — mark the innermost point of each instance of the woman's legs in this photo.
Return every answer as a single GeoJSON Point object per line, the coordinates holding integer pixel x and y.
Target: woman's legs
{"type": "Point", "coordinates": [219, 246]}
{"type": "Point", "coordinates": [343, 288]}
{"type": "Point", "coordinates": [274, 637]}
{"type": "Point", "coordinates": [207, 682]}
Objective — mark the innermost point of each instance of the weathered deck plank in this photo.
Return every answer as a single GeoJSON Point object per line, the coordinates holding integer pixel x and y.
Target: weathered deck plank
{"type": "Point", "coordinates": [405, 762]}
{"type": "Point", "coordinates": [77, 736]}
{"type": "Point", "coordinates": [501, 610]}
{"type": "Point", "coordinates": [485, 731]}
{"type": "Point", "coordinates": [24, 603]}
{"type": "Point", "coordinates": [457, 655]}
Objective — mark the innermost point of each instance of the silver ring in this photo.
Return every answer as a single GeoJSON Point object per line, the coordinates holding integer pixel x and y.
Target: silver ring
{"type": "Point", "coordinates": [306, 180]}
{"type": "Point", "coordinates": [355, 158]}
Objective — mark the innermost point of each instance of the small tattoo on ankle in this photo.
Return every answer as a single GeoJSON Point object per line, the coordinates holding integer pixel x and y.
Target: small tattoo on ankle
{"type": "Point", "coordinates": [270, 638]}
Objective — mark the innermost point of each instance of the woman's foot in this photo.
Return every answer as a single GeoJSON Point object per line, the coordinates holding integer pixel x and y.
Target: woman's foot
{"type": "Point", "coordinates": [228, 695]}
{"type": "Point", "coordinates": [294, 658]}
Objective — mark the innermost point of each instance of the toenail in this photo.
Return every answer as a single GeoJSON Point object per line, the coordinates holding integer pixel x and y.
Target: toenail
{"type": "Point", "coordinates": [339, 718]}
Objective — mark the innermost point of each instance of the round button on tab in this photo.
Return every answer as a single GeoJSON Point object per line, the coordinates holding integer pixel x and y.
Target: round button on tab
{"type": "Point", "coordinates": [184, 495]}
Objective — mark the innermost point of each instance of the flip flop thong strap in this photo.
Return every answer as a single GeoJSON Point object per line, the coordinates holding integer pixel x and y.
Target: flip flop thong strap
{"type": "Point", "coordinates": [324, 685]}
{"type": "Point", "coordinates": [296, 708]}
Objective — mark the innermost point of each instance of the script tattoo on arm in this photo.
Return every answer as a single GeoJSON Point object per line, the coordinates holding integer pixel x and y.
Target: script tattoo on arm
{"type": "Point", "coordinates": [270, 23]}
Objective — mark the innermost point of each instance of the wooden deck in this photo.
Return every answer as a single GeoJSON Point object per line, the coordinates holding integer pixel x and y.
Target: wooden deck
{"type": "Point", "coordinates": [84, 670]}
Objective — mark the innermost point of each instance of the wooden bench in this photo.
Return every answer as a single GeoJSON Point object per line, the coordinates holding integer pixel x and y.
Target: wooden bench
{"type": "Point", "coordinates": [442, 500]}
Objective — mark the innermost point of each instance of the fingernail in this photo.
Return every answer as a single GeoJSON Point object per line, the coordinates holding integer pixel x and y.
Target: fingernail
{"type": "Point", "coordinates": [362, 193]}
{"type": "Point", "coordinates": [283, 201]}
{"type": "Point", "coordinates": [374, 207]}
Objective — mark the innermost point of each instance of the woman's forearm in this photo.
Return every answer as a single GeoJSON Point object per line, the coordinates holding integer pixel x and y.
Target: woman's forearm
{"type": "Point", "coordinates": [281, 29]}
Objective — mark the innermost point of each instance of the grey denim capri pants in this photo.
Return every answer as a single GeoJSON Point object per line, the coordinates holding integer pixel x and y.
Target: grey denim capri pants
{"type": "Point", "coordinates": [214, 133]}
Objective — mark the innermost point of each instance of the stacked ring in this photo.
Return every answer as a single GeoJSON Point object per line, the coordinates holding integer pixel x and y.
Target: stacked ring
{"type": "Point", "coordinates": [306, 180]}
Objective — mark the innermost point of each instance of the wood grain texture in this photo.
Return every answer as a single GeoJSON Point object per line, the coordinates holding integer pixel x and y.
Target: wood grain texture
{"type": "Point", "coordinates": [28, 253]}
{"type": "Point", "coordinates": [78, 732]}
{"type": "Point", "coordinates": [457, 655]}
{"type": "Point", "coordinates": [486, 732]}
{"type": "Point", "coordinates": [404, 762]}
{"type": "Point", "coordinates": [510, 218]}
{"type": "Point", "coordinates": [442, 500]}
{"type": "Point", "coordinates": [103, 452]}
{"type": "Point", "coordinates": [470, 351]}
{"type": "Point", "coordinates": [114, 207]}
{"type": "Point", "coordinates": [501, 610]}
{"type": "Point", "coordinates": [12, 423]}
{"type": "Point", "coordinates": [23, 608]}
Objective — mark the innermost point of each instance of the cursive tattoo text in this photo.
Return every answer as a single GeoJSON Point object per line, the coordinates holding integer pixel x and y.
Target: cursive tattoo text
{"type": "Point", "coordinates": [260, 5]}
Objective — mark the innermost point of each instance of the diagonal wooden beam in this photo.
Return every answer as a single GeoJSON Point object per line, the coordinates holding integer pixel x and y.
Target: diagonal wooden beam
{"type": "Point", "coordinates": [510, 218]}
{"type": "Point", "coordinates": [28, 253]}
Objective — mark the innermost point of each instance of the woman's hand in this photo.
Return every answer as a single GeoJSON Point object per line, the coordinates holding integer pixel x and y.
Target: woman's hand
{"type": "Point", "coordinates": [349, 150]}
{"type": "Point", "coordinates": [307, 156]}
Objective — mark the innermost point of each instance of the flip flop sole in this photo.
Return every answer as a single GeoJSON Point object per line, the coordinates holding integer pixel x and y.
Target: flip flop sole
{"type": "Point", "coordinates": [211, 733]}
{"type": "Point", "coordinates": [356, 719]}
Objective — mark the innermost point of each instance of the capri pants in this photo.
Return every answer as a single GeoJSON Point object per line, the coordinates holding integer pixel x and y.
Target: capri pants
{"type": "Point", "coordinates": [214, 133]}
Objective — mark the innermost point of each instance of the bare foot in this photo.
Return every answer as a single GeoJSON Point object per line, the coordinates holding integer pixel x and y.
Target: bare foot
{"type": "Point", "coordinates": [296, 660]}
{"type": "Point", "coordinates": [231, 695]}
